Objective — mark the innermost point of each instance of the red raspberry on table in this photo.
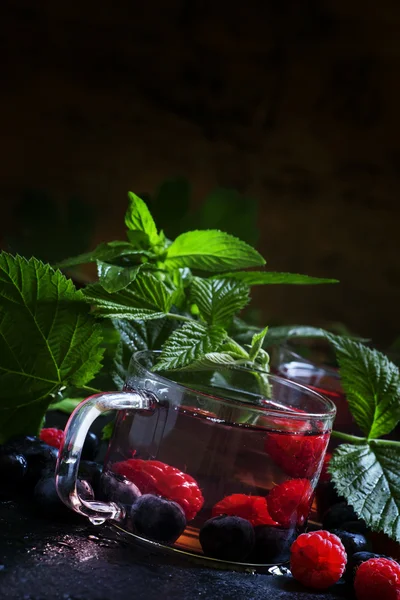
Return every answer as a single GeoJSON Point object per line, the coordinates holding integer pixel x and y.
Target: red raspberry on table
{"type": "Point", "coordinates": [297, 454]}
{"type": "Point", "coordinates": [378, 579]}
{"type": "Point", "coordinates": [289, 502]}
{"type": "Point", "coordinates": [52, 436]}
{"type": "Point", "coordinates": [251, 508]}
{"type": "Point", "coordinates": [155, 477]}
{"type": "Point", "coordinates": [318, 559]}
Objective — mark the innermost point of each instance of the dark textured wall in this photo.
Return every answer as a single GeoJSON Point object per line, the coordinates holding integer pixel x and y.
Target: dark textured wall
{"type": "Point", "coordinates": [296, 103]}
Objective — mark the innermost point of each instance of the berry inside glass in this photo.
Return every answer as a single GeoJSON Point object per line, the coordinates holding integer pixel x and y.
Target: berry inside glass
{"type": "Point", "coordinates": [220, 464]}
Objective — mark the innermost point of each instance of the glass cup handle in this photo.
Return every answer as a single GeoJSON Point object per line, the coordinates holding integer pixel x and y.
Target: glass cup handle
{"type": "Point", "coordinates": [70, 453]}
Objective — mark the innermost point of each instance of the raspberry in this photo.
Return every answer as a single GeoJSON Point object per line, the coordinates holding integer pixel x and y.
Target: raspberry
{"type": "Point", "coordinates": [289, 503]}
{"type": "Point", "coordinates": [317, 559]}
{"type": "Point", "coordinates": [155, 477]}
{"type": "Point", "coordinates": [251, 508]}
{"type": "Point", "coordinates": [296, 454]}
{"type": "Point", "coordinates": [52, 436]}
{"type": "Point", "coordinates": [378, 578]}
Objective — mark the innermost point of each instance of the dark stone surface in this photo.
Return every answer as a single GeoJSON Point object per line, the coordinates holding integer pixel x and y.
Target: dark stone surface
{"type": "Point", "coordinates": [41, 559]}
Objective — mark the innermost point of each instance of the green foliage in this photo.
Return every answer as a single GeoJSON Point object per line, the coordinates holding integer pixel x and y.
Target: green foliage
{"type": "Point", "coordinates": [268, 277]}
{"type": "Point", "coordinates": [48, 339]}
{"type": "Point", "coordinates": [219, 300]}
{"type": "Point", "coordinates": [368, 476]}
{"type": "Point", "coordinates": [372, 386]}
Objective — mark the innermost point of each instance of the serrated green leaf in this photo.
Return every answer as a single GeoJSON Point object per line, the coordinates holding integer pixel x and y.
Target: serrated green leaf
{"type": "Point", "coordinates": [371, 384]}
{"type": "Point", "coordinates": [368, 476]}
{"type": "Point", "coordinates": [270, 277]}
{"type": "Point", "coordinates": [136, 336]}
{"type": "Point", "coordinates": [218, 300]}
{"type": "Point", "coordinates": [188, 343]}
{"type": "Point", "coordinates": [138, 218]}
{"type": "Point", "coordinates": [256, 343]}
{"type": "Point", "coordinates": [114, 278]}
{"type": "Point", "coordinates": [107, 252]}
{"type": "Point", "coordinates": [147, 297]}
{"type": "Point", "coordinates": [211, 250]}
{"type": "Point", "coordinates": [212, 360]}
{"type": "Point", "coordinates": [47, 337]}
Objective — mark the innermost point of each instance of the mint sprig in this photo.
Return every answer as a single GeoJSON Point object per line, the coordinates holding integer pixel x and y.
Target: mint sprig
{"type": "Point", "coordinates": [366, 471]}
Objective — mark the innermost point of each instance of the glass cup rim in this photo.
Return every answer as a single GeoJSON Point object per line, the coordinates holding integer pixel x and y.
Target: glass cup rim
{"type": "Point", "coordinates": [291, 413]}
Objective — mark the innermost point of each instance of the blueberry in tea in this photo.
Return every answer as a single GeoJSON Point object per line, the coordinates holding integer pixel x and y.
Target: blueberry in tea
{"type": "Point", "coordinates": [157, 519]}
{"type": "Point", "coordinates": [227, 538]}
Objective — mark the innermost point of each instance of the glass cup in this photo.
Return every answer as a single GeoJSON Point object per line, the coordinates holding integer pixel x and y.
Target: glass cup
{"type": "Point", "coordinates": [218, 464]}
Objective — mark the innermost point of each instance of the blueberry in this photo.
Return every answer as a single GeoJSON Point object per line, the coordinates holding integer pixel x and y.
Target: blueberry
{"type": "Point", "coordinates": [227, 538]}
{"type": "Point", "coordinates": [272, 544]}
{"type": "Point", "coordinates": [48, 501]}
{"type": "Point", "coordinates": [90, 447]}
{"type": "Point", "coordinates": [352, 542]}
{"type": "Point", "coordinates": [13, 470]}
{"type": "Point", "coordinates": [116, 488]}
{"type": "Point", "coordinates": [157, 519]}
{"type": "Point", "coordinates": [91, 471]}
{"type": "Point", "coordinates": [356, 560]}
{"type": "Point", "coordinates": [342, 516]}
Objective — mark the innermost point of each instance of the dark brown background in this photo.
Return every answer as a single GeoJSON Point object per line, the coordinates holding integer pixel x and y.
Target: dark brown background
{"type": "Point", "coordinates": [294, 103]}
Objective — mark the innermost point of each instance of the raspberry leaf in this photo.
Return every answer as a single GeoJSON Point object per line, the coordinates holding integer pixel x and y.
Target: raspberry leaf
{"type": "Point", "coordinates": [372, 386]}
{"type": "Point", "coordinates": [211, 250]}
{"type": "Point", "coordinates": [368, 476]}
{"type": "Point", "coordinates": [270, 277]}
{"type": "Point", "coordinates": [189, 343]}
{"type": "Point", "coordinates": [138, 218]}
{"type": "Point", "coordinates": [218, 300]}
{"type": "Point", "coordinates": [147, 297]}
{"type": "Point", "coordinates": [47, 340]}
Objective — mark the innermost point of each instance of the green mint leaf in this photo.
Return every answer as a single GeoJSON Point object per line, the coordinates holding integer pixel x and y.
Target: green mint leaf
{"type": "Point", "coordinates": [269, 277]}
{"type": "Point", "coordinates": [138, 218]}
{"type": "Point", "coordinates": [211, 250]}
{"type": "Point", "coordinates": [368, 476]}
{"type": "Point", "coordinates": [114, 278]}
{"type": "Point", "coordinates": [218, 300]}
{"type": "Point", "coordinates": [371, 384]}
{"type": "Point", "coordinates": [147, 297]}
{"type": "Point", "coordinates": [189, 343]}
{"type": "Point", "coordinates": [47, 337]}
{"type": "Point", "coordinates": [256, 343]}
{"type": "Point", "coordinates": [106, 252]}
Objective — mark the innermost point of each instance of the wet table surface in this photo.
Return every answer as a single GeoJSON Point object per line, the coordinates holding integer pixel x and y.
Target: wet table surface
{"type": "Point", "coordinates": [73, 560]}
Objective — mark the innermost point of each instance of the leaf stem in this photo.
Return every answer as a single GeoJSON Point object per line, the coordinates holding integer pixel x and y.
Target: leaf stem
{"type": "Point", "coordinates": [387, 443]}
{"type": "Point", "coordinates": [90, 389]}
{"type": "Point", "coordinates": [346, 437]}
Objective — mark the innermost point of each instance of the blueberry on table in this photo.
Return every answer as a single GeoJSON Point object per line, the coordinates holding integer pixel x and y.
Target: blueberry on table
{"type": "Point", "coordinates": [48, 501]}
{"type": "Point", "coordinates": [272, 544]}
{"type": "Point", "coordinates": [39, 456]}
{"type": "Point", "coordinates": [352, 542]}
{"type": "Point", "coordinates": [227, 538]}
{"type": "Point", "coordinates": [13, 470]}
{"type": "Point", "coordinates": [342, 516]}
{"type": "Point", "coordinates": [158, 519]}
{"type": "Point", "coordinates": [91, 471]}
{"type": "Point", "coordinates": [90, 447]}
{"type": "Point", "coordinates": [116, 488]}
